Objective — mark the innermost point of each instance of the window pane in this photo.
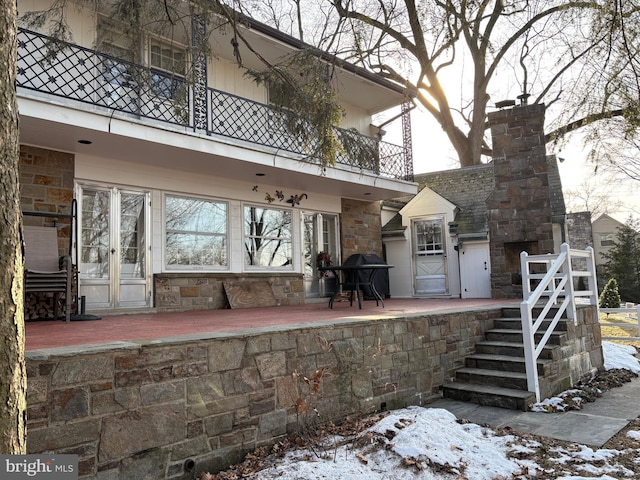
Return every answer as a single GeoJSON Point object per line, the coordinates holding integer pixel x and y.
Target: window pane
{"type": "Point", "coordinates": [267, 237]}
{"type": "Point", "coordinates": [429, 236]}
{"type": "Point", "coordinates": [196, 232]}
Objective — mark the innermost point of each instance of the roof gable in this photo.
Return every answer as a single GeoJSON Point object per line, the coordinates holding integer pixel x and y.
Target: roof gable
{"type": "Point", "coordinates": [427, 202]}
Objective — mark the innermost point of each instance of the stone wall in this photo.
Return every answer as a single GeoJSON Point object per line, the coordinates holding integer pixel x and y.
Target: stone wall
{"type": "Point", "coordinates": [205, 291]}
{"type": "Point", "coordinates": [171, 409]}
{"type": "Point", "coordinates": [360, 228]}
{"type": "Point", "coordinates": [46, 186]}
{"type": "Point", "coordinates": [579, 230]}
{"type": "Point", "coordinates": [578, 358]}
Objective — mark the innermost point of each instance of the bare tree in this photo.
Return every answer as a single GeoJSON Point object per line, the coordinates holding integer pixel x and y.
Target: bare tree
{"type": "Point", "coordinates": [456, 58]}
{"type": "Point", "coordinates": [578, 57]}
{"type": "Point", "coordinates": [593, 195]}
{"type": "Point", "coordinates": [12, 364]}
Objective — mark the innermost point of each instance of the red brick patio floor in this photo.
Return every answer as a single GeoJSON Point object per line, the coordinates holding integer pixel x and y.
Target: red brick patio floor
{"type": "Point", "coordinates": [149, 326]}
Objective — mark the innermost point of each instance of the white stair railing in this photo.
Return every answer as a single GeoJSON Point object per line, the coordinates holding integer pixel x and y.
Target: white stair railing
{"type": "Point", "coordinates": [553, 277]}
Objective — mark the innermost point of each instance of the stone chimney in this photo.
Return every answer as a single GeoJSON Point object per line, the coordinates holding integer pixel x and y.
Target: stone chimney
{"type": "Point", "coordinates": [519, 209]}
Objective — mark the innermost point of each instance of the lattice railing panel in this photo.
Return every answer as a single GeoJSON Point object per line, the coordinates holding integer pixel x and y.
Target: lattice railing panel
{"type": "Point", "coordinates": [77, 73]}
{"type": "Point", "coordinates": [81, 74]}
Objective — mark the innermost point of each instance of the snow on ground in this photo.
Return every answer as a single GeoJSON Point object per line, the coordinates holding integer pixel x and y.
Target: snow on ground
{"type": "Point", "coordinates": [615, 356]}
{"type": "Point", "coordinates": [430, 444]}
{"type": "Point", "coordinates": [620, 356]}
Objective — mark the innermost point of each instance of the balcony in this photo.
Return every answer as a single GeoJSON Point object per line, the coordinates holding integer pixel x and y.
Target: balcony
{"type": "Point", "coordinates": [84, 75]}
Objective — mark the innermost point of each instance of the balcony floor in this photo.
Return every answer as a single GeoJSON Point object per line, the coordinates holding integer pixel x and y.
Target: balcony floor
{"type": "Point", "coordinates": [147, 327]}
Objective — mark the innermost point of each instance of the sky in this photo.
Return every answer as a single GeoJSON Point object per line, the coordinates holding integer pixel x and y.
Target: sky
{"type": "Point", "coordinates": [420, 443]}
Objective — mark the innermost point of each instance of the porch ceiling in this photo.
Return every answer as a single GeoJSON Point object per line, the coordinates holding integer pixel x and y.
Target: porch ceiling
{"type": "Point", "coordinates": [59, 128]}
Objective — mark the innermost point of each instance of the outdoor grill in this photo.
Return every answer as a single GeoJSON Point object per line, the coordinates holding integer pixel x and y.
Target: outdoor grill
{"type": "Point", "coordinates": [380, 281]}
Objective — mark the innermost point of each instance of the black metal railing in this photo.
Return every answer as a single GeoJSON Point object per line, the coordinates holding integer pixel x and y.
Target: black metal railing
{"type": "Point", "coordinates": [73, 72]}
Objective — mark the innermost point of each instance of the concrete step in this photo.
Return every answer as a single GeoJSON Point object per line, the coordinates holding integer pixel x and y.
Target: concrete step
{"type": "Point", "coordinates": [515, 312]}
{"type": "Point", "coordinates": [515, 336]}
{"type": "Point", "coordinates": [515, 323]}
{"type": "Point", "coordinates": [496, 378]}
{"type": "Point", "coordinates": [495, 374]}
{"type": "Point", "coordinates": [505, 363]}
{"type": "Point", "coordinates": [489, 395]}
{"type": "Point", "coordinates": [514, 349]}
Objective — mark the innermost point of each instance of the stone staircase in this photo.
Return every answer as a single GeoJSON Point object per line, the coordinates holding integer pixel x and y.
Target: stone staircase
{"type": "Point", "coordinates": [495, 374]}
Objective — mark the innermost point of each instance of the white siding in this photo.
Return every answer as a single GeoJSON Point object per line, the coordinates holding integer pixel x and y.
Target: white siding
{"type": "Point", "coordinates": [157, 180]}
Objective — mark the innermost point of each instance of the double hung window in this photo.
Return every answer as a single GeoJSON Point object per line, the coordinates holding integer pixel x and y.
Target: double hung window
{"type": "Point", "coordinates": [267, 237]}
{"type": "Point", "coordinates": [196, 233]}
{"type": "Point", "coordinates": [168, 68]}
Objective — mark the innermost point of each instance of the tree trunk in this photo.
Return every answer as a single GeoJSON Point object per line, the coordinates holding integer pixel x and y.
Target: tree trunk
{"type": "Point", "coordinates": [13, 373]}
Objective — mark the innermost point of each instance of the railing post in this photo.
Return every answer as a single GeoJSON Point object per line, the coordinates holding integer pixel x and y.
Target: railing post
{"type": "Point", "coordinates": [593, 283]}
{"type": "Point", "coordinates": [199, 85]}
{"type": "Point", "coordinates": [524, 271]}
{"type": "Point", "coordinates": [567, 270]}
{"type": "Point", "coordinates": [528, 341]}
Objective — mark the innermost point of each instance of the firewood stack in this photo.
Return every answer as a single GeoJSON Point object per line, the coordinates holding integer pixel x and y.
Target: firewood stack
{"type": "Point", "coordinates": [39, 305]}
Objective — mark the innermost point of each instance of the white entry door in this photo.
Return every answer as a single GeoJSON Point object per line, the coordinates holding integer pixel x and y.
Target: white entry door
{"type": "Point", "coordinates": [429, 257]}
{"type": "Point", "coordinates": [113, 248]}
{"type": "Point", "coordinates": [475, 270]}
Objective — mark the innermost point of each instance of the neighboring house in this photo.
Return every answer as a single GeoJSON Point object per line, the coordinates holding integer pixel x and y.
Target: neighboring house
{"type": "Point", "coordinates": [441, 241]}
{"type": "Point", "coordinates": [174, 187]}
{"type": "Point", "coordinates": [605, 231]}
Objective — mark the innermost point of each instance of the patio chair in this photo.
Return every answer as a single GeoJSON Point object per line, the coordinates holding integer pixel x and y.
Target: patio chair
{"type": "Point", "coordinates": [44, 270]}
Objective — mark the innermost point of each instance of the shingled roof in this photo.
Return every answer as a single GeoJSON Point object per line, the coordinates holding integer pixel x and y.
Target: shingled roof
{"type": "Point", "coordinates": [468, 188]}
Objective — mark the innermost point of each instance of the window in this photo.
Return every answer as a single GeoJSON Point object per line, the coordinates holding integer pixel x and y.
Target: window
{"type": "Point", "coordinates": [429, 237]}
{"type": "Point", "coordinates": [117, 70]}
{"type": "Point", "coordinates": [167, 57]}
{"type": "Point", "coordinates": [267, 237]}
{"type": "Point", "coordinates": [196, 233]}
{"type": "Point", "coordinates": [607, 240]}
{"type": "Point", "coordinates": [168, 68]}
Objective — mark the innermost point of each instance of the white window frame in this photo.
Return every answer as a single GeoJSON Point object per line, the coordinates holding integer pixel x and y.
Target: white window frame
{"type": "Point", "coordinates": [289, 267]}
{"type": "Point", "coordinates": [225, 236]}
{"type": "Point", "coordinates": [607, 240]}
{"type": "Point", "coordinates": [164, 86]}
{"type": "Point", "coordinates": [425, 251]}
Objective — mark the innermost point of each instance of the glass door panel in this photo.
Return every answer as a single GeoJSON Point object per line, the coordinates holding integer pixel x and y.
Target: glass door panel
{"type": "Point", "coordinates": [133, 286]}
{"type": "Point", "coordinates": [320, 241]}
{"type": "Point", "coordinates": [114, 257]}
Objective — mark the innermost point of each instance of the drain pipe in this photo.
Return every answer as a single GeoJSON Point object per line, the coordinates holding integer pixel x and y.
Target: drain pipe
{"type": "Point", "coordinates": [189, 466]}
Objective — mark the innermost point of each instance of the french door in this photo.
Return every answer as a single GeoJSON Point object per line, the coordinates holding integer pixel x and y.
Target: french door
{"type": "Point", "coordinates": [320, 246]}
{"type": "Point", "coordinates": [113, 248]}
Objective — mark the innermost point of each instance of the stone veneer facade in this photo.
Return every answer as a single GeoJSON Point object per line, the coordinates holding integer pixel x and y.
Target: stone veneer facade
{"type": "Point", "coordinates": [360, 228]}
{"type": "Point", "coordinates": [46, 186]}
{"type": "Point", "coordinates": [201, 291]}
{"type": "Point", "coordinates": [176, 407]}
{"type": "Point", "coordinates": [519, 209]}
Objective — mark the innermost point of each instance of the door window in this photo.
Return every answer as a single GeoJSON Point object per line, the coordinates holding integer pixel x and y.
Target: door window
{"type": "Point", "coordinates": [95, 235]}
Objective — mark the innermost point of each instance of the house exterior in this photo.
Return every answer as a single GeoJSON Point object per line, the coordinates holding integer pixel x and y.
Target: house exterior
{"type": "Point", "coordinates": [168, 184]}
{"type": "Point", "coordinates": [605, 231]}
{"type": "Point", "coordinates": [462, 234]}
